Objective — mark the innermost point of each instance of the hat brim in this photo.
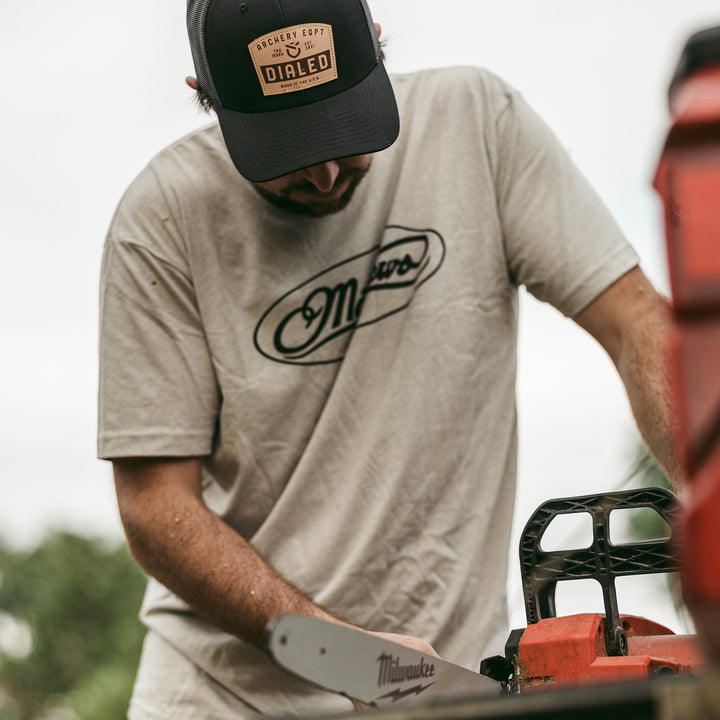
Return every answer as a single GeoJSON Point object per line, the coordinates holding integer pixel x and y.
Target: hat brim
{"type": "Point", "coordinates": [358, 121]}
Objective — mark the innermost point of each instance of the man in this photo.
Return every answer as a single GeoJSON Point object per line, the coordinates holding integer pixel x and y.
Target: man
{"type": "Point", "coordinates": [309, 318]}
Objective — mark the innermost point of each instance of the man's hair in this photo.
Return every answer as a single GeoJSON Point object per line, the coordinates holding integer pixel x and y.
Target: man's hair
{"type": "Point", "coordinates": [204, 101]}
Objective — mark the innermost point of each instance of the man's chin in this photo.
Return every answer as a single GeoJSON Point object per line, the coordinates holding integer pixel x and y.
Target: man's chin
{"type": "Point", "coordinates": [310, 204]}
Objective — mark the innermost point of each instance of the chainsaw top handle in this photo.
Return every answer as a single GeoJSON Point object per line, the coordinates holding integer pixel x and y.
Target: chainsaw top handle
{"type": "Point", "coordinates": [603, 561]}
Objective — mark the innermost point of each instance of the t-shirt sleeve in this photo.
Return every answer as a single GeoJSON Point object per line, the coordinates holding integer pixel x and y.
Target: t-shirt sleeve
{"type": "Point", "coordinates": [158, 394]}
{"type": "Point", "coordinates": [561, 241]}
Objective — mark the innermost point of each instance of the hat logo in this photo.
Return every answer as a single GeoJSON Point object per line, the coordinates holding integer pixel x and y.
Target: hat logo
{"type": "Point", "coordinates": [294, 58]}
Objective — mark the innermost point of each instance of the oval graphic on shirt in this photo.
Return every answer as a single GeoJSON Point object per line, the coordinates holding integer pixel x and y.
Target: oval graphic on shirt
{"type": "Point", "coordinates": [313, 323]}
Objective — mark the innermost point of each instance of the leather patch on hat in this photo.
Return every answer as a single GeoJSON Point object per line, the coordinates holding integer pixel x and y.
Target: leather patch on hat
{"type": "Point", "coordinates": [294, 58]}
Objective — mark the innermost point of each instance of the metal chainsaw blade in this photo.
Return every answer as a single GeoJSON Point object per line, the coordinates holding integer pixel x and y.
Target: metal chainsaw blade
{"type": "Point", "coordinates": [367, 668]}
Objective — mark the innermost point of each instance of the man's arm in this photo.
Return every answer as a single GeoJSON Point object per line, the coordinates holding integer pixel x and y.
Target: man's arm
{"type": "Point", "coordinates": [178, 540]}
{"type": "Point", "coordinates": [631, 321]}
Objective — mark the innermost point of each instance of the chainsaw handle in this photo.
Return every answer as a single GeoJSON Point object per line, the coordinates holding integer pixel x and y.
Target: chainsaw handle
{"type": "Point", "coordinates": [541, 570]}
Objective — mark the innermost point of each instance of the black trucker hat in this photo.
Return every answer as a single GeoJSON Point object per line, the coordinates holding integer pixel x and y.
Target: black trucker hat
{"type": "Point", "coordinates": [294, 82]}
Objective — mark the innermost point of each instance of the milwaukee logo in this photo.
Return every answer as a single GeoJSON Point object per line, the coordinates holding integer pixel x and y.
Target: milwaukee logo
{"type": "Point", "coordinates": [294, 58]}
{"type": "Point", "coordinates": [391, 672]}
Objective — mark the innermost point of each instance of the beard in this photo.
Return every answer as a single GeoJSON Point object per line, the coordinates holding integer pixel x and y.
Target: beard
{"type": "Point", "coordinates": [303, 198]}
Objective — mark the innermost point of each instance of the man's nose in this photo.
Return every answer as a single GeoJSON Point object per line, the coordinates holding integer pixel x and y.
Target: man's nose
{"type": "Point", "coordinates": [323, 176]}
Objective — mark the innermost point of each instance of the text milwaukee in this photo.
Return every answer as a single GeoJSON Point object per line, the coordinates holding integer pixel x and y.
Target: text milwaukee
{"type": "Point", "coordinates": [392, 672]}
{"type": "Point", "coordinates": [304, 67]}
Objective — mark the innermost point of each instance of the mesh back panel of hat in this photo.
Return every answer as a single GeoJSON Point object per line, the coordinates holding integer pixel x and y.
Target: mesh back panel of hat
{"type": "Point", "coordinates": [196, 13]}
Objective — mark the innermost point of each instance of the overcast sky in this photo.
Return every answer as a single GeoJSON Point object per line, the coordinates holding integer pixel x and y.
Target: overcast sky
{"type": "Point", "coordinates": [94, 89]}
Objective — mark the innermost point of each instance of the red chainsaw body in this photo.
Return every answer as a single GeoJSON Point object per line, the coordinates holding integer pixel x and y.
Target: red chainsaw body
{"type": "Point", "coordinates": [566, 651]}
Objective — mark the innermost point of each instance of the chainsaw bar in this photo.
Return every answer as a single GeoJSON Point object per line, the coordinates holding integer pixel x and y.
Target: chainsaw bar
{"type": "Point", "coordinates": [367, 668]}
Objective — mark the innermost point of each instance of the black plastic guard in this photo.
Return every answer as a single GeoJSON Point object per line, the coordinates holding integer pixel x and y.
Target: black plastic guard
{"type": "Point", "coordinates": [602, 561]}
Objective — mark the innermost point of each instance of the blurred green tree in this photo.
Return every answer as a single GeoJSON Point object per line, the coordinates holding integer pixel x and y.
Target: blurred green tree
{"type": "Point", "coordinates": [71, 638]}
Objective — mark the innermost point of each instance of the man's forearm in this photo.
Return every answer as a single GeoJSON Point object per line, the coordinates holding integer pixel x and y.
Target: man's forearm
{"type": "Point", "coordinates": [646, 377]}
{"type": "Point", "coordinates": [180, 542]}
{"type": "Point", "coordinates": [632, 322]}
{"type": "Point", "coordinates": [642, 362]}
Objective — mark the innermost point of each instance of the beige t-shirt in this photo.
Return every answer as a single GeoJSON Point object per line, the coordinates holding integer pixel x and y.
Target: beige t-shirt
{"type": "Point", "coordinates": [351, 378]}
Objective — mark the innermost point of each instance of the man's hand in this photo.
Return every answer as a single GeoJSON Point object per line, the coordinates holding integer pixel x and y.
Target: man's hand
{"type": "Point", "coordinates": [408, 641]}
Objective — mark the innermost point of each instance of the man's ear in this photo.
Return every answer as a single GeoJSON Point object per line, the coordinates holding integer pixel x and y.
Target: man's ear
{"type": "Point", "coordinates": [379, 29]}
{"type": "Point", "coordinates": [191, 82]}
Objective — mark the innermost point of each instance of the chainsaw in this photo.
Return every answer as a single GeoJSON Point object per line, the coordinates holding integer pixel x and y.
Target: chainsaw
{"type": "Point", "coordinates": [551, 651]}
